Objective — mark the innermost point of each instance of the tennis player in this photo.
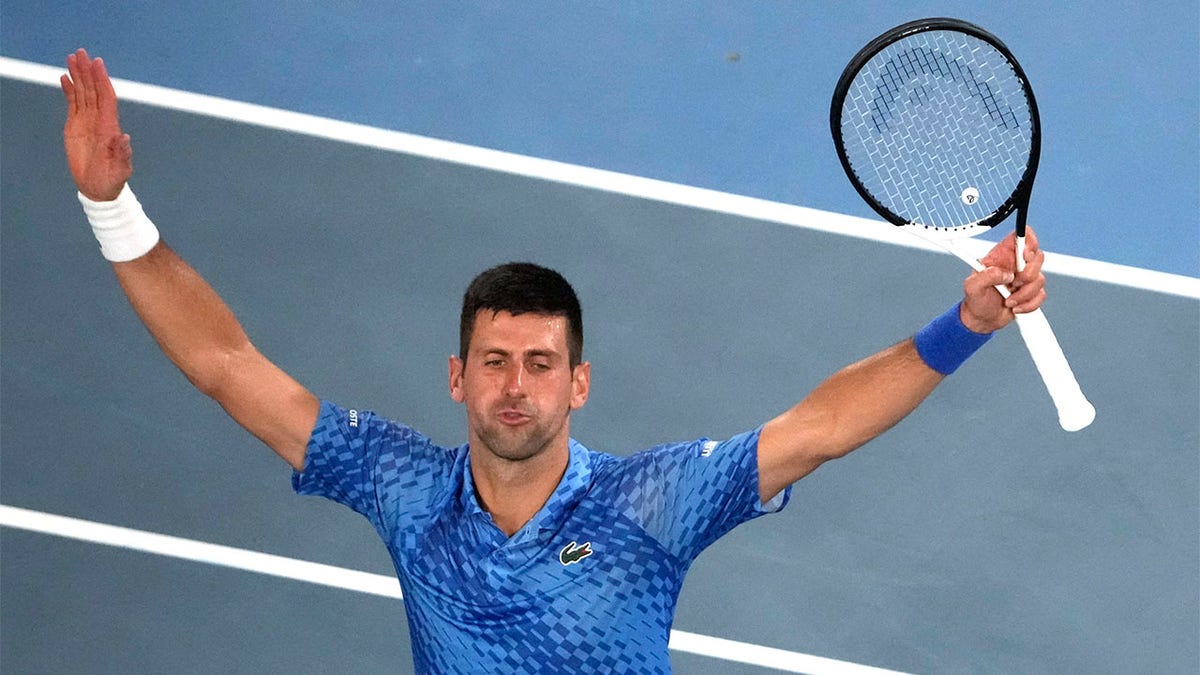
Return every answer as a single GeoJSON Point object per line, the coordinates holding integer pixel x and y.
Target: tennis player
{"type": "Point", "coordinates": [522, 550]}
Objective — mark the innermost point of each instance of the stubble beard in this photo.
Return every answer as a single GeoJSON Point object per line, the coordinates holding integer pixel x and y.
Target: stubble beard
{"type": "Point", "coordinates": [518, 443]}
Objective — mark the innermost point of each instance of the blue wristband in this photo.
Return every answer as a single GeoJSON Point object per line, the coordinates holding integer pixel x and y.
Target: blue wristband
{"type": "Point", "coordinates": [945, 343]}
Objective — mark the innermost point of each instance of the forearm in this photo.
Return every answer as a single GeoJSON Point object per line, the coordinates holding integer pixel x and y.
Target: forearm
{"type": "Point", "coordinates": [201, 336]}
{"type": "Point", "coordinates": [186, 317]}
{"type": "Point", "coordinates": [857, 403]}
{"type": "Point", "coordinates": [190, 322]}
{"type": "Point", "coordinates": [861, 401]}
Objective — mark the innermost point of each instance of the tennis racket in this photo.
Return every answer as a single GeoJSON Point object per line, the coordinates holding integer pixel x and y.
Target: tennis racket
{"type": "Point", "coordinates": [937, 128]}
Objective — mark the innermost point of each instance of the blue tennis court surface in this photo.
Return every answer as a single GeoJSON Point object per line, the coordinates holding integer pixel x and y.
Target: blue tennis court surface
{"type": "Point", "coordinates": [976, 536]}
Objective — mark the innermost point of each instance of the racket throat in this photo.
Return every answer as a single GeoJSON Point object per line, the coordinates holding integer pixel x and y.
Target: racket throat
{"type": "Point", "coordinates": [1022, 214]}
{"type": "Point", "coordinates": [1020, 231]}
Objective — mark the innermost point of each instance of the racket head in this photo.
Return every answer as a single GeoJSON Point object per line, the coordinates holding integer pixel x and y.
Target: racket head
{"type": "Point", "coordinates": [937, 127]}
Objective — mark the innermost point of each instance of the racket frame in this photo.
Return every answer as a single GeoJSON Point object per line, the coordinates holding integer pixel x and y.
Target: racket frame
{"type": "Point", "coordinates": [1018, 200]}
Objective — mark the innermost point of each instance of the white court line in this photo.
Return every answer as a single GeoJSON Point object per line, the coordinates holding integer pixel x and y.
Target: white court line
{"type": "Point", "coordinates": [378, 584]}
{"type": "Point", "coordinates": [511, 163]}
{"type": "Point", "coordinates": [581, 176]}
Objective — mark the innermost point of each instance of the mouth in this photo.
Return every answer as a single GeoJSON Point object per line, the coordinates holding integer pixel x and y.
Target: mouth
{"type": "Point", "coordinates": [513, 418]}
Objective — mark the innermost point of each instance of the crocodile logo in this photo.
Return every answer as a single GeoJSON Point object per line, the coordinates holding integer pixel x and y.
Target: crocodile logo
{"type": "Point", "coordinates": [573, 553]}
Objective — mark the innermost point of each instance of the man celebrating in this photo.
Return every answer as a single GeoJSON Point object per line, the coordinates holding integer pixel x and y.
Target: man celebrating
{"type": "Point", "coordinates": [522, 550]}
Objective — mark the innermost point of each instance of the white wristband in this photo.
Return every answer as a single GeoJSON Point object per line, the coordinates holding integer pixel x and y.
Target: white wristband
{"type": "Point", "coordinates": [121, 226]}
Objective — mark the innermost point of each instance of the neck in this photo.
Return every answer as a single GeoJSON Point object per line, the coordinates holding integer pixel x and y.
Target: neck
{"type": "Point", "coordinates": [513, 491]}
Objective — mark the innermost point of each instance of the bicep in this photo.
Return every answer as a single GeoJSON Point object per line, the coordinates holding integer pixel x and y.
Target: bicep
{"type": "Point", "coordinates": [268, 403]}
{"type": "Point", "coordinates": [789, 449]}
{"type": "Point", "coordinates": [853, 406]}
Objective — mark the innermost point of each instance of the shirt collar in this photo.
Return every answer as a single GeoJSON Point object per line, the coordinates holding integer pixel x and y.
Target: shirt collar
{"type": "Point", "coordinates": [575, 482]}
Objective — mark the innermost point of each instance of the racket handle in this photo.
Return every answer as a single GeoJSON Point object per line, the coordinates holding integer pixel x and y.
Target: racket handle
{"type": "Point", "coordinates": [1074, 410]}
{"type": "Point", "coordinates": [1020, 253]}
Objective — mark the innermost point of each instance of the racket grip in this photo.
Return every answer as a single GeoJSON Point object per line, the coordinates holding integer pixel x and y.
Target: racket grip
{"type": "Point", "coordinates": [1074, 410]}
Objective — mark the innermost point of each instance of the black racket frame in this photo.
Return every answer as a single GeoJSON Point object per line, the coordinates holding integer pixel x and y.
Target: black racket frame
{"type": "Point", "coordinates": [1019, 200]}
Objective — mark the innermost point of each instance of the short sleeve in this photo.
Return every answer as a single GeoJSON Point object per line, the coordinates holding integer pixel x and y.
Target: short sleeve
{"type": "Point", "coordinates": [688, 495]}
{"type": "Point", "coordinates": [384, 470]}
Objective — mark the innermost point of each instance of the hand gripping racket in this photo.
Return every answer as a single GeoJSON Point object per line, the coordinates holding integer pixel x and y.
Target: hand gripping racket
{"type": "Point", "coordinates": [937, 128]}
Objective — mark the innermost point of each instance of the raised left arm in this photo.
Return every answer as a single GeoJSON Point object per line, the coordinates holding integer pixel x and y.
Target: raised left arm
{"type": "Point", "coordinates": [867, 398]}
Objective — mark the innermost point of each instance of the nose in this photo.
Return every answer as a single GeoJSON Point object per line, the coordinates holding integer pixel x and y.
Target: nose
{"type": "Point", "coordinates": [514, 384]}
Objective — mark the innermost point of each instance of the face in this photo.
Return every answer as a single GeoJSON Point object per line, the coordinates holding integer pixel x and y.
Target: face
{"type": "Point", "coordinates": [518, 385]}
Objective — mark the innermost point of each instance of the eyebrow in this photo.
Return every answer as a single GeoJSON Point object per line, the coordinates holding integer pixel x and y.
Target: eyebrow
{"type": "Point", "coordinates": [548, 353]}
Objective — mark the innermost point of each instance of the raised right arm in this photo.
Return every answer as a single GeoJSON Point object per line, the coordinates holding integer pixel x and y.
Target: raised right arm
{"type": "Point", "coordinates": [190, 322]}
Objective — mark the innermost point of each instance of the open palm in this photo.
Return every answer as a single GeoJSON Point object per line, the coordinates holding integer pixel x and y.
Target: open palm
{"type": "Point", "coordinates": [98, 154]}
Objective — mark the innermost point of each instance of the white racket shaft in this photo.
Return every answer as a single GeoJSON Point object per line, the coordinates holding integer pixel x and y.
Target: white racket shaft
{"type": "Point", "coordinates": [1075, 412]}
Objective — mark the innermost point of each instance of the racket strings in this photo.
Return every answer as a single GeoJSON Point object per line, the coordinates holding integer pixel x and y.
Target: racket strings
{"type": "Point", "coordinates": [909, 64]}
{"type": "Point", "coordinates": [937, 128]}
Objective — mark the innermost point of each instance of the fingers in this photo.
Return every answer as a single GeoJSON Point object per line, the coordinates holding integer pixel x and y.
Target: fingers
{"type": "Point", "coordinates": [105, 94]}
{"type": "Point", "coordinates": [1003, 254]}
{"type": "Point", "coordinates": [1031, 240]}
{"type": "Point", "coordinates": [88, 73]}
{"type": "Point", "coordinates": [1029, 300]}
{"type": "Point", "coordinates": [981, 283]}
{"type": "Point", "coordinates": [71, 81]}
{"type": "Point", "coordinates": [77, 66]}
{"type": "Point", "coordinates": [68, 90]}
{"type": "Point", "coordinates": [120, 148]}
{"type": "Point", "coordinates": [983, 306]}
{"type": "Point", "coordinates": [1034, 258]}
{"type": "Point", "coordinates": [1029, 283]}
{"type": "Point", "coordinates": [81, 74]}
{"type": "Point", "coordinates": [87, 83]}
{"type": "Point", "coordinates": [1026, 288]}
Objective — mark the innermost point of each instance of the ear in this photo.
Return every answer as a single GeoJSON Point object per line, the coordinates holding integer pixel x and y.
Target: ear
{"type": "Point", "coordinates": [456, 375]}
{"type": "Point", "coordinates": [581, 383]}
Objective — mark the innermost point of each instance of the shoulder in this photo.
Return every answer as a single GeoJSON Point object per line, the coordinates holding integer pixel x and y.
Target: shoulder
{"type": "Point", "coordinates": [669, 455]}
{"type": "Point", "coordinates": [638, 471]}
{"type": "Point", "coordinates": [353, 432]}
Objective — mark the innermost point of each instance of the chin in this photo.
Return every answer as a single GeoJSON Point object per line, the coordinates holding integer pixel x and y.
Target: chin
{"type": "Point", "coordinates": [513, 449]}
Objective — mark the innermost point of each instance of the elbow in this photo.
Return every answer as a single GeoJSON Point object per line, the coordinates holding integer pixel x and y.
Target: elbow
{"type": "Point", "coordinates": [800, 440]}
{"type": "Point", "coordinates": [844, 437]}
{"type": "Point", "coordinates": [207, 385]}
{"type": "Point", "coordinates": [212, 373]}
{"type": "Point", "coordinates": [829, 436]}
{"type": "Point", "coordinates": [207, 381]}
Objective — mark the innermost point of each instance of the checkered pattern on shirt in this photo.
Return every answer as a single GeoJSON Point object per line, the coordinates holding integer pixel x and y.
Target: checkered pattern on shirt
{"type": "Point", "coordinates": [478, 601]}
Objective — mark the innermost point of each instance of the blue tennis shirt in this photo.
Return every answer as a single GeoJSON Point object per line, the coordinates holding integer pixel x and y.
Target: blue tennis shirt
{"type": "Point", "coordinates": [589, 584]}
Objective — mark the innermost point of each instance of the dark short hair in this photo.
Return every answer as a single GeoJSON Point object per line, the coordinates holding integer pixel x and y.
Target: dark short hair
{"type": "Point", "coordinates": [522, 288]}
